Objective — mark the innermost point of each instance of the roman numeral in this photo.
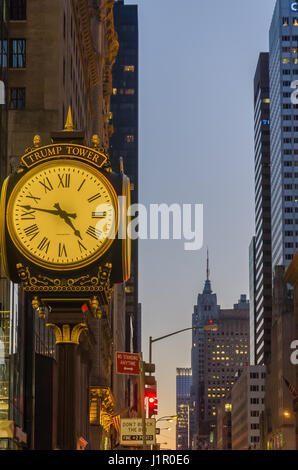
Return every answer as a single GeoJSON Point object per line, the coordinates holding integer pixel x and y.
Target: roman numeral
{"type": "Point", "coordinates": [93, 198]}
{"type": "Point", "coordinates": [82, 247]}
{"type": "Point", "coordinates": [93, 232]}
{"type": "Point", "coordinates": [64, 181]}
{"type": "Point", "coordinates": [28, 215]}
{"type": "Point", "coordinates": [62, 250]}
{"type": "Point", "coordinates": [99, 215]}
{"type": "Point", "coordinates": [44, 245]}
{"type": "Point", "coordinates": [31, 231]}
{"type": "Point", "coordinates": [47, 185]}
{"type": "Point", "coordinates": [36, 199]}
{"type": "Point", "coordinates": [81, 185]}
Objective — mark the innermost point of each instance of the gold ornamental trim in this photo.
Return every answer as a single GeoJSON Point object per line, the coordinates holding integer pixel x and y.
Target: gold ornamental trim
{"type": "Point", "coordinates": [68, 334]}
{"type": "Point", "coordinates": [102, 406]}
{"type": "Point", "coordinates": [71, 151]}
{"type": "Point", "coordinates": [3, 255]}
{"type": "Point", "coordinates": [87, 283]}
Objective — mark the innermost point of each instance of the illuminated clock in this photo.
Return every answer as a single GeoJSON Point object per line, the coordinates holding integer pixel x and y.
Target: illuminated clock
{"type": "Point", "coordinates": [63, 215]}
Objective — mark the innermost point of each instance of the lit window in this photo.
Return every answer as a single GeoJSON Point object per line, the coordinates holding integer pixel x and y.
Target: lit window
{"type": "Point", "coordinates": [130, 91]}
{"type": "Point", "coordinates": [130, 138]}
{"type": "Point", "coordinates": [114, 91]}
{"type": "Point", "coordinates": [286, 60]}
{"type": "Point", "coordinates": [129, 68]}
{"type": "Point", "coordinates": [266, 100]}
{"type": "Point", "coordinates": [295, 22]}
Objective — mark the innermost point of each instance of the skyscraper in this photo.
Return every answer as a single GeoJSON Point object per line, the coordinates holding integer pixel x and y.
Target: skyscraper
{"type": "Point", "coordinates": [216, 356]}
{"type": "Point", "coordinates": [183, 408]}
{"type": "Point", "coordinates": [283, 70]}
{"type": "Point", "coordinates": [124, 140]}
{"type": "Point", "coordinates": [260, 253]}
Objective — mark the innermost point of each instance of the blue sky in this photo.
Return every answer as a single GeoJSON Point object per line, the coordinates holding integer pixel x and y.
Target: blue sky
{"type": "Point", "coordinates": [197, 64]}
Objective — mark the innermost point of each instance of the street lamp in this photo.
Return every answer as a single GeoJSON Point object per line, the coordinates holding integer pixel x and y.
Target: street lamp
{"type": "Point", "coordinates": [167, 418]}
{"type": "Point", "coordinates": [210, 327]}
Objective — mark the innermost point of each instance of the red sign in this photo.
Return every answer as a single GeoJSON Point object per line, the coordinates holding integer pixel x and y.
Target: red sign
{"type": "Point", "coordinates": [127, 363]}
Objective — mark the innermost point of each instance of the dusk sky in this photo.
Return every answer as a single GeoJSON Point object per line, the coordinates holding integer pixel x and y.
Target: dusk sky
{"type": "Point", "coordinates": [197, 65]}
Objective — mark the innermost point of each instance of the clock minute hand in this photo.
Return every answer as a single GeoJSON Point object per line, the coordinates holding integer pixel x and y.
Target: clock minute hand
{"type": "Point", "coordinates": [49, 211]}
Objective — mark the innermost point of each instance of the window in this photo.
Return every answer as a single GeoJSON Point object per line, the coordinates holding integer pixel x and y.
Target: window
{"type": "Point", "coordinates": [17, 53]}
{"type": "Point", "coordinates": [3, 53]}
{"type": "Point", "coordinates": [285, 21]}
{"type": "Point", "coordinates": [129, 68]}
{"type": "Point", "coordinates": [17, 10]}
{"type": "Point", "coordinates": [17, 98]}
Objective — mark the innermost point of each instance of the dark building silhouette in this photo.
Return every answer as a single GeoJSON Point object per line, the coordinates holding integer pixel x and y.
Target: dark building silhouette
{"type": "Point", "coordinates": [261, 308]}
{"type": "Point", "coordinates": [124, 140]}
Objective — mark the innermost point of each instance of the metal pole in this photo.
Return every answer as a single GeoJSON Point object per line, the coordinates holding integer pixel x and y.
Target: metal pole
{"type": "Point", "coordinates": [142, 398]}
{"type": "Point", "coordinates": [150, 351]}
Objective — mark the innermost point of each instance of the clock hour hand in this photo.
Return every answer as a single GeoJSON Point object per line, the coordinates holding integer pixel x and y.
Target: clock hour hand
{"type": "Point", "coordinates": [49, 211]}
{"type": "Point", "coordinates": [65, 216]}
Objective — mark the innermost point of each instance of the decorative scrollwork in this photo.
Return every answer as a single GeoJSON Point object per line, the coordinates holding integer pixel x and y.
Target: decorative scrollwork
{"type": "Point", "coordinates": [86, 283]}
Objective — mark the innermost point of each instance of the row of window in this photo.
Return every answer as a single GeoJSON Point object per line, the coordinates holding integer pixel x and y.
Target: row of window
{"type": "Point", "coordinates": [291, 221]}
{"type": "Point", "coordinates": [288, 60]}
{"type": "Point", "coordinates": [290, 175]}
{"type": "Point", "coordinates": [291, 245]}
{"type": "Point", "coordinates": [288, 117]}
{"type": "Point", "coordinates": [290, 152]}
{"type": "Point", "coordinates": [286, 21]}
{"type": "Point", "coordinates": [294, 50]}
{"type": "Point", "coordinates": [288, 38]}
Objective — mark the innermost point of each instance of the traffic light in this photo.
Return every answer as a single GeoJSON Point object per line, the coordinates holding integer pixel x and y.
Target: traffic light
{"type": "Point", "coordinates": [150, 394]}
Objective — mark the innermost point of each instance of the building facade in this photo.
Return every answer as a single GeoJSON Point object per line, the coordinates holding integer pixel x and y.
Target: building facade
{"type": "Point", "coordinates": [261, 330]}
{"type": "Point", "coordinates": [279, 420]}
{"type": "Point", "coordinates": [183, 408]}
{"type": "Point", "coordinates": [58, 55]}
{"type": "Point", "coordinates": [247, 404]}
{"type": "Point", "coordinates": [224, 425]}
{"type": "Point", "coordinates": [283, 70]}
{"type": "Point", "coordinates": [216, 356]}
{"type": "Point", "coordinates": [124, 140]}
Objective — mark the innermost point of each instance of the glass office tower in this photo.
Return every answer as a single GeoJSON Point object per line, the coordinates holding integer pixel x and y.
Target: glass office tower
{"type": "Point", "coordinates": [261, 299]}
{"type": "Point", "coordinates": [283, 71]}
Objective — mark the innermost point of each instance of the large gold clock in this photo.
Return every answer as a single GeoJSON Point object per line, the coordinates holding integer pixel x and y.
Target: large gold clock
{"type": "Point", "coordinates": [63, 215]}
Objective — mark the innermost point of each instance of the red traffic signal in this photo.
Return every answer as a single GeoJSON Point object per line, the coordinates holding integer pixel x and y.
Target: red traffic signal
{"type": "Point", "coordinates": [150, 394]}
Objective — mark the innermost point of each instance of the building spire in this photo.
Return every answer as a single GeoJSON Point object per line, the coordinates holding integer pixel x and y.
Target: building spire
{"type": "Point", "coordinates": [208, 271]}
{"type": "Point", "coordinates": [207, 287]}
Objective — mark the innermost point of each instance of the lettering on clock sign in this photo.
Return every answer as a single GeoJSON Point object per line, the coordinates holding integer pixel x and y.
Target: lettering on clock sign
{"type": "Point", "coordinates": [41, 154]}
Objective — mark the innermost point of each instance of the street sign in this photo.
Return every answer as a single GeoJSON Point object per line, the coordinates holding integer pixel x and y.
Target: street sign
{"type": "Point", "coordinates": [131, 432]}
{"type": "Point", "coordinates": [127, 363]}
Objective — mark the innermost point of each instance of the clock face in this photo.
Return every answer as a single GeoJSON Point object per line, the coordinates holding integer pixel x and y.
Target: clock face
{"type": "Point", "coordinates": [63, 215]}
